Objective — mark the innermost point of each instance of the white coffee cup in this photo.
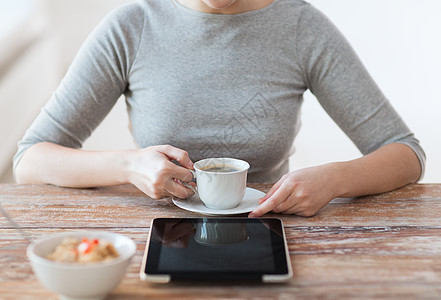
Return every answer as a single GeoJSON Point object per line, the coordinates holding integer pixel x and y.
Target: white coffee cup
{"type": "Point", "coordinates": [221, 182]}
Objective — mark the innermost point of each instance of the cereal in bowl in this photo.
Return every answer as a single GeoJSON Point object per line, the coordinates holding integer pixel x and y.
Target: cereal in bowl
{"type": "Point", "coordinates": [83, 251]}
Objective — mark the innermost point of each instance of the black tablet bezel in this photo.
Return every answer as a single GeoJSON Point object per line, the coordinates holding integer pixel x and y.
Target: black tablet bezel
{"type": "Point", "coordinates": [283, 271]}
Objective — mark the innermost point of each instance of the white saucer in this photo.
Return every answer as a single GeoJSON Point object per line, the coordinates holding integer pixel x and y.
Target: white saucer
{"type": "Point", "coordinates": [248, 203]}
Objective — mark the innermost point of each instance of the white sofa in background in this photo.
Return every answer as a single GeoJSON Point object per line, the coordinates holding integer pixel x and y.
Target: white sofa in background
{"type": "Point", "coordinates": [38, 40]}
{"type": "Point", "coordinates": [26, 73]}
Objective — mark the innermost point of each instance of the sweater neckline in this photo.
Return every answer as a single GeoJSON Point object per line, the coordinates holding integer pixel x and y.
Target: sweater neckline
{"type": "Point", "coordinates": [189, 11]}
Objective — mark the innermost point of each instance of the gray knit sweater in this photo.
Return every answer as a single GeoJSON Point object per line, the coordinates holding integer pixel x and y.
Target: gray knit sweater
{"type": "Point", "coordinates": [219, 85]}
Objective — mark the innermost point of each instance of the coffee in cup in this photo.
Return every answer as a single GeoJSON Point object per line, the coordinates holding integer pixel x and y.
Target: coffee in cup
{"type": "Point", "coordinates": [220, 168]}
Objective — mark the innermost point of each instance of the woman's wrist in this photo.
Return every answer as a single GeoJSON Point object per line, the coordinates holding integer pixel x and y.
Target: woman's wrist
{"type": "Point", "coordinates": [123, 165]}
{"type": "Point", "coordinates": [341, 178]}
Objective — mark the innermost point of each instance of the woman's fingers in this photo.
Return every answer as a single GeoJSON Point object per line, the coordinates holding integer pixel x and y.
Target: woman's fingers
{"type": "Point", "coordinates": [270, 192]}
{"type": "Point", "coordinates": [154, 171]}
{"type": "Point", "coordinates": [303, 192]}
{"type": "Point", "coordinates": [172, 174]}
{"type": "Point", "coordinates": [279, 195]}
{"type": "Point", "coordinates": [173, 187]}
{"type": "Point", "coordinates": [180, 173]}
{"type": "Point", "coordinates": [177, 154]}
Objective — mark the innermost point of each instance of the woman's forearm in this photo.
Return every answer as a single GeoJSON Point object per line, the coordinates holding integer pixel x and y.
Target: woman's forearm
{"type": "Point", "coordinates": [390, 167]}
{"type": "Point", "coordinates": [48, 163]}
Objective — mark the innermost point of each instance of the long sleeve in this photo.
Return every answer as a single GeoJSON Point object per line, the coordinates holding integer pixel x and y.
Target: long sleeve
{"type": "Point", "coordinates": [336, 76]}
{"type": "Point", "coordinates": [97, 77]}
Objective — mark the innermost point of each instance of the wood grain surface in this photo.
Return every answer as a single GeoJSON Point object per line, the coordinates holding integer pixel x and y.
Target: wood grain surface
{"type": "Point", "coordinates": [384, 246]}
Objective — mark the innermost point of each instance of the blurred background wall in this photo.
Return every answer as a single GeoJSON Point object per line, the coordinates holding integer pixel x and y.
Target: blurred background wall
{"type": "Point", "coordinates": [398, 40]}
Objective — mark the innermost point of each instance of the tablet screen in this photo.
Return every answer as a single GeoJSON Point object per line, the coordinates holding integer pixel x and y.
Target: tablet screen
{"type": "Point", "coordinates": [216, 248]}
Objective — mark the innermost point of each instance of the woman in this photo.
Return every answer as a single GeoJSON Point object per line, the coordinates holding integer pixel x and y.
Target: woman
{"type": "Point", "coordinates": [214, 79]}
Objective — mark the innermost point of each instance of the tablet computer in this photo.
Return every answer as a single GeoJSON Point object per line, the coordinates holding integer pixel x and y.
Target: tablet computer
{"type": "Point", "coordinates": [216, 249]}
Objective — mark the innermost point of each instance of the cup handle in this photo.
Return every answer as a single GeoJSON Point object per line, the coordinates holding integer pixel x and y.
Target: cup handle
{"type": "Point", "coordinates": [194, 190]}
{"type": "Point", "coordinates": [189, 186]}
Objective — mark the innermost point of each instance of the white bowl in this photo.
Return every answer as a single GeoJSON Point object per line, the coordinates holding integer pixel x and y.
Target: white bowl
{"type": "Point", "coordinates": [81, 281]}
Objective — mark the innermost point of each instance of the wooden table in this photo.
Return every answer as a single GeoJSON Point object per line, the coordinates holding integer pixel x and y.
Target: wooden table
{"type": "Point", "coordinates": [385, 246]}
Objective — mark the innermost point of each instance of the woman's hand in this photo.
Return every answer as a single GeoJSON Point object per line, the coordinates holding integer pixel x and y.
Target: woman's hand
{"type": "Point", "coordinates": [152, 171]}
{"type": "Point", "coordinates": [303, 192]}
